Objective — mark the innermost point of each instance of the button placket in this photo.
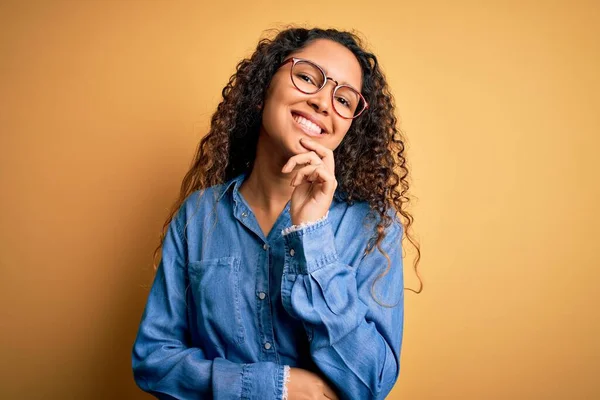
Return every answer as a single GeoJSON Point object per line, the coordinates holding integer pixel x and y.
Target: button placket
{"type": "Point", "coordinates": [263, 304]}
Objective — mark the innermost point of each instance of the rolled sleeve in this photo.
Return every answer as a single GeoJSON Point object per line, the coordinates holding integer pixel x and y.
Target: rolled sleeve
{"type": "Point", "coordinates": [255, 381]}
{"type": "Point", "coordinates": [335, 302]}
{"type": "Point", "coordinates": [310, 248]}
{"type": "Point", "coordinates": [164, 362]}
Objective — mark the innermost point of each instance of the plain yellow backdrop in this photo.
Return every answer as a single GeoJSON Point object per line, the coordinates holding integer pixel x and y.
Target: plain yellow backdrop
{"type": "Point", "coordinates": [103, 103]}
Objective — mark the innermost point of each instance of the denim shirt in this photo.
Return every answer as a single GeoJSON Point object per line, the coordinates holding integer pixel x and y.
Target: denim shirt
{"type": "Point", "coordinates": [230, 310]}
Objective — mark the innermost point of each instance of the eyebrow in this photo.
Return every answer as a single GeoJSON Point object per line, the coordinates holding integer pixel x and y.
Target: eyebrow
{"type": "Point", "coordinates": [358, 88]}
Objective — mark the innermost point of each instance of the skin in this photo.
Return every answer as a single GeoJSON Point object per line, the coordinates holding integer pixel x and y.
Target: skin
{"type": "Point", "coordinates": [283, 151]}
{"type": "Point", "coordinates": [291, 166]}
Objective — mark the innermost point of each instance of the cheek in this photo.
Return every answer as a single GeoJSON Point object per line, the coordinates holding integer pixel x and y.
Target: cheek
{"type": "Point", "coordinates": [272, 117]}
{"type": "Point", "coordinates": [274, 110]}
{"type": "Point", "coordinates": [341, 130]}
{"type": "Point", "coordinates": [342, 127]}
{"type": "Point", "coordinates": [278, 93]}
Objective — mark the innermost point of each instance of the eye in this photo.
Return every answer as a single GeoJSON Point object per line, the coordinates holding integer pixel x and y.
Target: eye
{"type": "Point", "coordinates": [307, 78]}
{"type": "Point", "coordinates": [344, 102]}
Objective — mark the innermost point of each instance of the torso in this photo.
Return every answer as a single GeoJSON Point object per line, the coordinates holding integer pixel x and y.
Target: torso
{"type": "Point", "coordinates": [265, 222]}
{"type": "Point", "coordinates": [266, 219]}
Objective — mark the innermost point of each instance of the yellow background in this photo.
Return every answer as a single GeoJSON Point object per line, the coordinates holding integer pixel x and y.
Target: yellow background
{"type": "Point", "coordinates": [103, 103]}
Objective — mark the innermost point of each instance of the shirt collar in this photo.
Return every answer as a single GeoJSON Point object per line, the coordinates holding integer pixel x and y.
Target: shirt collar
{"type": "Point", "coordinates": [235, 183]}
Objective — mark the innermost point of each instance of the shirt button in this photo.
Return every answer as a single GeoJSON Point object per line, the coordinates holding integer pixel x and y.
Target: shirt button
{"type": "Point", "coordinates": [265, 246]}
{"type": "Point", "coordinates": [292, 252]}
{"type": "Point", "coordinates": [267, 345]}
{"type": "Point", "coordinates": [262, 295]}
{"type": "Point", "coordinates": [244, 214]}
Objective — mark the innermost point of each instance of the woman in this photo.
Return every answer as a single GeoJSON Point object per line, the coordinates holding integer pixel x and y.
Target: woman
{"type": "Point", "coordinates": [281, 269]}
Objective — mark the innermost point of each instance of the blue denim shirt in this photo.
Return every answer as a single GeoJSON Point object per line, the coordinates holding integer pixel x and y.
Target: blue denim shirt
{"type": "Point", "coordinates": [230, 310]}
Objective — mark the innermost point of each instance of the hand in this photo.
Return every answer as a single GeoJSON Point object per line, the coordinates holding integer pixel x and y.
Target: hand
{"type": "Point", "coordinates": [306, 385]}
{"type": "Point", "coordinates": [314, 183]}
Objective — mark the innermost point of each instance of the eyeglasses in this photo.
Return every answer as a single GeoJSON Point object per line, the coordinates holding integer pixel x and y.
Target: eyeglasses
{"type": "Point", "coordinates": [309, 78]}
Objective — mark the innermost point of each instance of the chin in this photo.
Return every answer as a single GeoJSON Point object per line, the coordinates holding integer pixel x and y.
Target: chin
{"type": "Point", "coordinates": [293, 146]}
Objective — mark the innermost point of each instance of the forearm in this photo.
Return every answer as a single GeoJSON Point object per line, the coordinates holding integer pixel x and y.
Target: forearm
{"type": "Point", "coordinates": [164, 361]}
{"type": "Point", "coordinates": [354, 341]}
{"type": "Point", "coordinates": [184, 373]}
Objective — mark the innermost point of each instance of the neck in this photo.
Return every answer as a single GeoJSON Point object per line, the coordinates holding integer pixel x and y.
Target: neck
{"type": "Point", "coordinates": [267, 188]}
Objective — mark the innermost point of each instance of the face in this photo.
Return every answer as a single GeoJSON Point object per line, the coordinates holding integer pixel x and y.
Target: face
{"type": "Point", "coordinates": [284, 103]}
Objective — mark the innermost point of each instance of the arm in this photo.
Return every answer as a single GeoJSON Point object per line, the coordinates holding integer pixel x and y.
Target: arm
{"type": "Point", "coordinates": [164, 363]}
{"type": "Point", "coordinates": [355, 341]}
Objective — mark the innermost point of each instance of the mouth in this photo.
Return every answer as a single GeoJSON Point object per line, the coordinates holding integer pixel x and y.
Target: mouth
{"type": "Point", "coordinates": [308, 127]}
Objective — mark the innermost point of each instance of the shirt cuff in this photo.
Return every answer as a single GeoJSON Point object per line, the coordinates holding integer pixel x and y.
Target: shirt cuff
{"type": "Point", "coordinates": [303, 225]}
{"type": "Point", "coordinates": [261, 380]}
{"type": "Point", "coordinates": [310, 248]}
{"type": "Point", "coordinates": [286, 379]}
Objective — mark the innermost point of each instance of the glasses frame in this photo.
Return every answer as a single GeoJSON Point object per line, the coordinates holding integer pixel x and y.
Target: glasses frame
{"type": "Point", "coordinates": [295, 60]}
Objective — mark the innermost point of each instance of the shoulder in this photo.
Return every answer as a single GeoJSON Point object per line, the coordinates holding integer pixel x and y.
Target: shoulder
{"type": "Point", "coordinates": [201, 203]}
{"type": "Point", "coordinates": [210, 195]}
{"type": "Point", "coordinates": [359, 218]}
{"type": "Point", "coordinates": [350, 213]}
{"type": "Point", "coordinates": [354, 227]}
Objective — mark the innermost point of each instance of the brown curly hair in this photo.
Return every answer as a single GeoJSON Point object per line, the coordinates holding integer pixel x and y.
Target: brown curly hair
{"type": "Point", "coordinates": [369, 163]}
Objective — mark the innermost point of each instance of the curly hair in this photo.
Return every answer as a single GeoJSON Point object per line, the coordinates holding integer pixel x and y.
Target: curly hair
{"type": "Point", "coordinates": [370, 164]}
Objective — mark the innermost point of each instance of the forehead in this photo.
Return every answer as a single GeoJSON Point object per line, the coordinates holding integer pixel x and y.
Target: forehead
{"type": "Point", "coordinates": [338, 62]}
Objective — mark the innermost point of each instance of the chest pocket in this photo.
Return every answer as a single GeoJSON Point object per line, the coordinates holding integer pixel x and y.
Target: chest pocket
{"type": "Point", "coordinates": [215, 285]}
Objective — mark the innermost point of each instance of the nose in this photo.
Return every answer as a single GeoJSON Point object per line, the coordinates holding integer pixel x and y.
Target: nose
{"type": "Point", "coordinates": [321, 101]}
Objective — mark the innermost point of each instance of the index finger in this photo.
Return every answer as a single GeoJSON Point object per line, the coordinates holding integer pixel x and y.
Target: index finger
{"type": "Point", "coordinates": [329, 393]}
{"type": "Point", "coordinates": [325, 153]}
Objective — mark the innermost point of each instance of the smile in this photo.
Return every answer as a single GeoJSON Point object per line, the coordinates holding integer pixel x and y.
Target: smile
{"type": "Point", "coordinates": [307, 126]}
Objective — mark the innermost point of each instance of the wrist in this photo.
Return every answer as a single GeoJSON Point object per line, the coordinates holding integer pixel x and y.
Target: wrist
{"type": "Point", "coordinates": [286, 379]}
{"type": "Point", "coordinates": [299, 225]}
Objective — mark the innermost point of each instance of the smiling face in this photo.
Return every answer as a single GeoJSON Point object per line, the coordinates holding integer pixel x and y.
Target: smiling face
{"type": "Point", "coordinates": [287, 110]}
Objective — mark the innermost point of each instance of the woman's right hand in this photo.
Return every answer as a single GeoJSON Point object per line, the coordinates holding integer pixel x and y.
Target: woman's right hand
{"type": "Point", "coordinates": [306, 385]}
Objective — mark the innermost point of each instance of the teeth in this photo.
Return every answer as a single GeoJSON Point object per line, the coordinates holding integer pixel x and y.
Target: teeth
{"type": "Point", "coordinates": [311, 126]}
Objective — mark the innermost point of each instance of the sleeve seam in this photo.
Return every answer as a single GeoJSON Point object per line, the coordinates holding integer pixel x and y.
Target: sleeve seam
{"type": "Point", "coordinates": [178, 227]}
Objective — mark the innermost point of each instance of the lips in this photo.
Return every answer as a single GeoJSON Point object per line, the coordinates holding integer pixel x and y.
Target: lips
{"type": "Point", "coordinates": [308, 124]}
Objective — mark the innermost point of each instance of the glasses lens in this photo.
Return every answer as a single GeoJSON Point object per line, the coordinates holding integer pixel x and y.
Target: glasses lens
{"type": "Point", "coordinates": [310, 79]}
{"type": "Point", "coordinates": [307, 77]}
{"type": "Point", "coordinates": [348, 102]}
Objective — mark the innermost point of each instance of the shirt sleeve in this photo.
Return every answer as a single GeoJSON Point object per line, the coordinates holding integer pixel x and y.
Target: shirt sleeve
{"type": "Point", "coordinates": [353, 340]}
{"type": "Point", "coordinates": [167, 366]}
